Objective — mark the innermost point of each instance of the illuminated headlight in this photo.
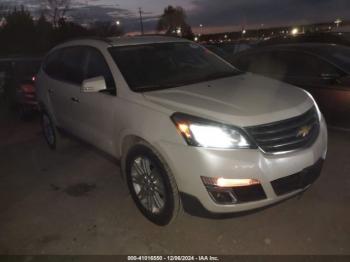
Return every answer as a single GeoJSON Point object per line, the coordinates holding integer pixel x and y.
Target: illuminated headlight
{"type": "Point", "coordinates": [205, 133]}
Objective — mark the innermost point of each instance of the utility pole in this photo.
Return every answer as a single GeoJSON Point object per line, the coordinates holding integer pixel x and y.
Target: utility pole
{"type": "Point", "coordinates": [141, 22]}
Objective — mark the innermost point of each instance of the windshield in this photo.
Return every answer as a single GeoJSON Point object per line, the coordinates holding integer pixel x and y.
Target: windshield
{"type": "Point", "coordinates": [165, 65]}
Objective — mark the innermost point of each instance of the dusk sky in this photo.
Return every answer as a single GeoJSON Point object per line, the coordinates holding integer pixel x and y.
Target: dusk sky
{"type": "Point", "coordinates": [215, 15]}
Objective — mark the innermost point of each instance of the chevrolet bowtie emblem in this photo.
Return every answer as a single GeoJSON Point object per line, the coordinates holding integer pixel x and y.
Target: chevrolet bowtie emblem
{"type": "Point", "coordinates": [304, 131]}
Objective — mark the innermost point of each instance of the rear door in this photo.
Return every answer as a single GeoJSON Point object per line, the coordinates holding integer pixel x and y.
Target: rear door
{"type": "Point", "coordinates": [66, 70]}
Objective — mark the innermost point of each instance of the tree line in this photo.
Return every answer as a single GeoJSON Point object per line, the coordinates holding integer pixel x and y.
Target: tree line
{"type": "Point", "coordinates": [21, 34]}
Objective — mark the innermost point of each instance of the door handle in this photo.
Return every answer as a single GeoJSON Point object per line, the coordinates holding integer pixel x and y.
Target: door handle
{"type": "Point", "coordinates": [75, 100]}
{"type": "Point", "coordinates": [50, 90]}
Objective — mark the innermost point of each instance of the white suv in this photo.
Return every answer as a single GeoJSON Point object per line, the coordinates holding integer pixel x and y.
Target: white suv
{"type": "Point", "coordinates": [190, 130]}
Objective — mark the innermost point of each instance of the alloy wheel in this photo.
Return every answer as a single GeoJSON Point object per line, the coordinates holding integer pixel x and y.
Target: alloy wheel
{"type": "Point", "coordinates": [148, 185]}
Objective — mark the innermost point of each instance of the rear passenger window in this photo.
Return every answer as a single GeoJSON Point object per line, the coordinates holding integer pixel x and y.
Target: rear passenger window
{"type": "Point", "coordinates": [259, 63]}
{"type": "Point", "coordinates": [305, 65]}
{"type": "Point", "coordinates": [97, 66]}
{"type": "Point", "coordinates": [74, 61]}
{"type": "Point", "coordinates": [67, 64]}
{"type": "Point", "coordinates": [53, 65]}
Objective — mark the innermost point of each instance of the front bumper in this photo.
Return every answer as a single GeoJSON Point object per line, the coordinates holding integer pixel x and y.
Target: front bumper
{"type": "Point", "coordinates": [188, 164]}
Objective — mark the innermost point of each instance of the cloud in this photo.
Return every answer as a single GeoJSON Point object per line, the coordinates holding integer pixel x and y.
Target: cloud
{"type": "Point", "coordinates": [101, 13]}
{"type": "Point", "coordinates": [129, 20]}
{"type": "Point", "coordinates": [82, 11]}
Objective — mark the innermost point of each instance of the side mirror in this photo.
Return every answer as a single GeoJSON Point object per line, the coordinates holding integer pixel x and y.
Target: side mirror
{"type": "Point", "coordinates": [93, 85]}
{"type": "Point", "coordinates": [330, 76]}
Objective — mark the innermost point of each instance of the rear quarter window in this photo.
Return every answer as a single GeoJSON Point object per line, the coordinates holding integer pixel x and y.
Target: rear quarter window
{"type": "Point", "coordinates": [53, 64]}
{"type": "Point", "coordinates": [67, 64]}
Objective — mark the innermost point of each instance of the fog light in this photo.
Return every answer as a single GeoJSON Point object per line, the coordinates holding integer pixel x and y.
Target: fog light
{"type": "Point", "coordinates": [228, 182]}
{"type": "Point", "coordinates": [222, 197]}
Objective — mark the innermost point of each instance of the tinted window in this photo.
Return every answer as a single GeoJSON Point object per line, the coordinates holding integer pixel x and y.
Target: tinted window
{"type": "Point", "coordinates": [97, 66]}
{"type": "Point", "coordinates": [260, 63]}
{"type": "Point", "coordinates": [303, 64]}
{"type": "Point", "coordinates": [74, 61]}
{"type": "Point", "coordinates": [53, 64]}
{"type": "Point", "coordinates": [165, 65]}
{"type": "Point", "coordinates": [67, 64]}
{"type": "Point", "coordinates": [285, 63]}
{"type": "Point", "coordinates": [340, 55]}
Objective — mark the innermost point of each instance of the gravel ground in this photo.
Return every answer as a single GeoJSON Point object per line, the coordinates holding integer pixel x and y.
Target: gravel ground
{"type": "Point", "coordinates": [75, 202]}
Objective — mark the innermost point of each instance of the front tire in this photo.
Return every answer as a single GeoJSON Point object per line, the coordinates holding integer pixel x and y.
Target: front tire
{"type": "Point", "coordinates": [152, 185]}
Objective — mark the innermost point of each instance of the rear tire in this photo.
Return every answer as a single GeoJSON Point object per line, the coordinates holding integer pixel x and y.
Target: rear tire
{"type": "Point", "coordinates": [51, 134]}
{"type": "Point", "coordinates": [152, 185]}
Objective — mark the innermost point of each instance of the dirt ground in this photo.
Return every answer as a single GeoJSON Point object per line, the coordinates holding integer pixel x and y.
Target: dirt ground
{"type": "Point", "coordinates": [75, 202]}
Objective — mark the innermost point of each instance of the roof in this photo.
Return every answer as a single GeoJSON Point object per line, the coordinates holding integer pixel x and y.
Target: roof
{"type": "Point", "coordinates": [146, 39]}
{"type": "Point", "coordinates": [122, 41]}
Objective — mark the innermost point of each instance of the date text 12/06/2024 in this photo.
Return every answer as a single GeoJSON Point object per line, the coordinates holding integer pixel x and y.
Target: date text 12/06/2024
{"type": "Point", "coordinates": [173, 258]}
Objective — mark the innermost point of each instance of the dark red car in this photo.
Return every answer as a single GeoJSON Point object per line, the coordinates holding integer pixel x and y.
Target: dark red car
{"type": "Point", "coordinates": [18, 83]}
{"type": "Point", "coordinates": [321, 69]}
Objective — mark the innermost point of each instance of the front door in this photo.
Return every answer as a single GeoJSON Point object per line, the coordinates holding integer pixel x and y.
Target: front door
{"type": "Point", "coordinates": [96, 110]}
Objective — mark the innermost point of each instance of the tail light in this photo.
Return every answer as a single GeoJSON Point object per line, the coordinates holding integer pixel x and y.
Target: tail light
{"type": "Point", "coordinates": [27, 88]}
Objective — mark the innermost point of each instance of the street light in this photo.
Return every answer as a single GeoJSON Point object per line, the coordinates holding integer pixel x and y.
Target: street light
{"type": "Point", "coordinates": [295, 31]}
{"type": "Point", "coordinates": [338, 22]}
{"type": "Point", "coordinates": [117, 22]}
{"type": "Point", "coordinates": [178, 31]}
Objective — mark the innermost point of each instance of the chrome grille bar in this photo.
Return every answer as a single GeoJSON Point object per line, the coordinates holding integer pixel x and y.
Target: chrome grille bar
{"type": "Point", "coordinates": [287, 135]}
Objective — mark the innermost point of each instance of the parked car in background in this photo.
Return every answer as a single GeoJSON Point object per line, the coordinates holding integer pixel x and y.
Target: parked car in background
{"type": "Point", "coordinates": [190, 130]}
{"type": "Point", "coordinates": [227, 50]}
{"type": "Point", "coordinates": [18, 83]}
{"type": "Point", "coordinates": [340, 38]}
{"type": "Point", "coordinates": [321, 69]}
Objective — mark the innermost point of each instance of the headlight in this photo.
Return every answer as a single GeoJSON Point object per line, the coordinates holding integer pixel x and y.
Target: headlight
{"type": "Point", "coordinates": [205, 133]}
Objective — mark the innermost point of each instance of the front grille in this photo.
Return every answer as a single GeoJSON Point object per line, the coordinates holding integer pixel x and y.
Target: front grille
{"type": "Point", "coordinates": [297, 181]}
{"type": "Point", "coordinates": [249, 193]}
{"type": "Point", "coordinates": [287, 135]}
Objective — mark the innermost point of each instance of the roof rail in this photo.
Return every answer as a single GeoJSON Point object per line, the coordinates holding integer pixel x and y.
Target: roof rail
{"type": "Point", "coordinates": [97, 38]}
{"type": "Point", "coordinates": [165, 35]}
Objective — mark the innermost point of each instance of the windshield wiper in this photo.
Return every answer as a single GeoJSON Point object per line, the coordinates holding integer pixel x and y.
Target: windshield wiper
{"type": "Point", "coordinates": [219, 75]}
{"type": "Point", "coordinates": [146, 88]}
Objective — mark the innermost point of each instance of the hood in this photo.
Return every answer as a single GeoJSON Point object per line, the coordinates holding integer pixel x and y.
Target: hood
{"type": "Point", "coordinates": [243, 100]}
